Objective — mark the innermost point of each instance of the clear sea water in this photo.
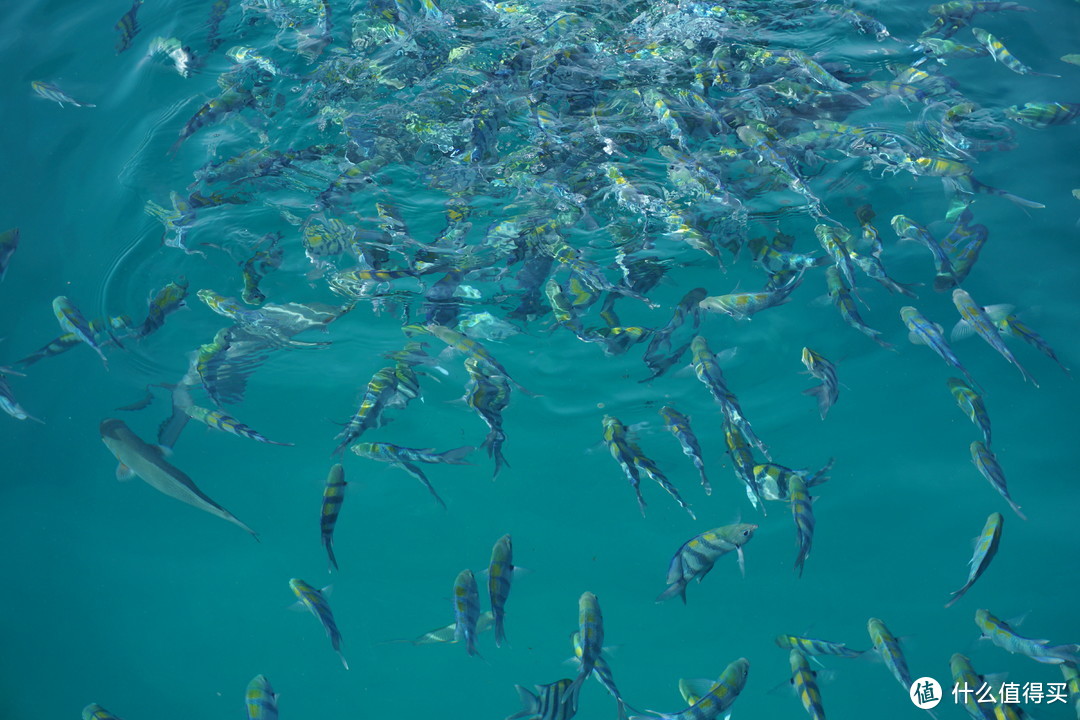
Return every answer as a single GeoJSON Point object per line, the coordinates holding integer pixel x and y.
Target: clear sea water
{"type": "Point", "coordinates": [121, 596]}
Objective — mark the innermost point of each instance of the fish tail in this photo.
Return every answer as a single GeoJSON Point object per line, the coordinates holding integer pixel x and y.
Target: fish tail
{"type": "Point", "coordinates": [455, 456]}
{"type": "Point", "coordinates": [677, 588]}
{"type": "Point", "coordinates": [328, 542]}
{"type": "Point", "coordinates": [957, 594]}
{"type": "Point", "coordinates": [500, 631]}
{"type": "Point", "coordinates": [1016, 508]}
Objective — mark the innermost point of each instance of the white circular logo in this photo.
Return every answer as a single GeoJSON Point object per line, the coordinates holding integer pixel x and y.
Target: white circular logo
{"type": "Point", "coordinates": [925, 693]}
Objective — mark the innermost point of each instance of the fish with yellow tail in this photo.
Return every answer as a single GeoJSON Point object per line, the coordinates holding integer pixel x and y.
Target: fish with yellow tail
{"type": "Point", "coordinates": [990, 469]}
{"type": "Point", "coordinates": [986, 546]}
{"type": "Point", "coordinates": [696, 557]}
{"type": "Point", "coordinates": [137, 458]}
{"type": "Point", "coordinates": [315, 601]}
{"type": "Point", "coordinates": [714, 703]}
{"type": "Point", "coordinates": [998, 632]}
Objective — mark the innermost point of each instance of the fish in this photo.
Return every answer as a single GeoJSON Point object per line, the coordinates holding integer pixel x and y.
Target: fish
{"type": "Point", "coordinates": [976, 317]}
{"type": "Point", "coordinates": [118, 325]}
{"type": "Point", "coordinates": [633, 462]}
{"type": "Point", "coordinates": [964, 676]}
{"type": "Point", "coordinates": [9, 243]}
{"type": "Point", "coordinates": [51, 92]}
{"type": "Point", "coordinates": [10, 405]}
{"type": "Point", "coordinates": [333, 496]}
{"type": "Point", "coordinates": [986, 546]}
{"type": "Point", "coordinates": [841, 296]}
{"type": "Point", "coordinates": [93, 711]}
{"type": "Point", "coordinates": [554, 701]}
{"type": "Point", "coordinates": [829, 389]}
{"type": "Point", "coordinates": [488, 394]}
{"type": "Point", "coordinates": [802, 509]}
{"type": "Point", "coordinates": [973, 406]}
{"type": "Point", "coordinates": [229, 101]}
{"type": "Point", "coordinates": [182, 56]}
{"type": "Point", "coordinates": [72, 321]}
{"type": "Point", "coordinates": [127, 27]}
{"type": "Point", "coordinates": [707, 369]}
{"type": "Point", "coordinates": [924, 332]}
{"type": "Point", "coordinates": [804, 681]}
{"type": "Point", "coordinates": [679, 425]}
{"type": "Point", "coordinates": [998, 632]}
{"type": "Point", "coordinates": [468, 346]}
{"type": "Point", "coordinates": [406, 459]}
{"type": "Point", "coordinates": [1072, 680]}
{"type": "Point", "coordinates": [315, 601]}
{"type": "Point", "coordinates": [1002, 55]}
{"type": "Point", "coordinates": [1014, 327]}
{"type": "Point", "coordinates": [261, 700]}
{"type": "Point", "coordinates": [446, 633]}
{"type": "Point", "coordinates": [812, 646]}
{"type": "Point", "coordinates": [166, 301]}
{"type": "Point", "coordinates": [380, 390]}
{"type": "Point", "coordinates": [720, 697]}
{"type": "Point", "coordinates": [500, 575]}
{"type": "Point", "coordinates": [591, 635]}
{"type": "Point", "coordinates": [988, 466]}
{"type": "Point", "coordinates": [603, 674]}
{"type": "Point", "coordinates": [696, 557]}
{"type": "Point", "coordinates": [888, 647]}
{"type": "Point", "coordinates": [148, 462]}
{"type": "Point", "coordinates": [466, 610]}
{"type": "Point", "coordinates": [742, 305]}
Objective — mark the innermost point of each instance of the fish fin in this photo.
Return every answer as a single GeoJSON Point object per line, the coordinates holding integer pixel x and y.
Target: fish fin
{"type": "Point", "coordinates": [915, 339]}
{"type": "Point", "coordinates": [454, 457]}
{"type": "Point", "coordinates": [962, 331]}
{"type": "Point", "coordinates": [998, 313]}
{"type": "Point", "coordinates": [124, 473]}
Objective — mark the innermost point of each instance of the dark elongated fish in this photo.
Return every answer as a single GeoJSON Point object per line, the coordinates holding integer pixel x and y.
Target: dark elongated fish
{"type": "Point", "coordinates": [128, 28]}
{"type": "Point", "coordinates": [148, 462]}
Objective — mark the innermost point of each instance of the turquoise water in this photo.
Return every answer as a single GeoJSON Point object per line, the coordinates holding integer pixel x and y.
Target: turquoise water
{"type": "Point", "coordinates": [124, 597]}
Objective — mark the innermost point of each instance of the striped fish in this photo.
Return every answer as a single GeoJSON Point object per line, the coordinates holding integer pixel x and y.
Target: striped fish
{"type": "Point", "coordinates": [72, 321]}
{"type": "Point", "coordinates": [803, 679]}
{"type": "Point", "coordinates": [717, 700]}
{"type": "Point", "coordinates": [9, 404]}
{"type": "Point", "coordinates": [466, 610]}
{"type": "Point", "coordinates": [554, 701]}
{"type": "Point", "coordinates": [813, 646]}
{"type": "Point", "coordinates": [406, 459]}
{"type": "Point", "coordinates": [964, 676]}
{"type": "Point", "coordinates": [986, 545]}
{"type": "Point", "coordinates": [679, 425]}
{"type": "Point", "coordinates": [988, 465]}
{"type": "Point", "coordinates": [603, 674]}
{"type": "Point", "coordinates": [803, 511]}
{"type": "Point", "coordinates": [888, 647]}
{"type": "Point", "coordinates": [829, 389]}
{"type": "Point", "coordinates": [314, 601]}
{"type": "Point", "coordinates": [128, 28]}
{"type": "Point", "coordinates": [976, 317]}
{"type": "Point", "coordinates": [924, 332]}
{"type": "Point", "coordinates": [500, 573]}
{"type": "Point", "coordinates": [972, 404]}
{"type": "Point", "coordinates": [333, 495]}
{"type": "Point", "coordinates": [121, 324]}
{"type": "Point", "coordinates": [260, 699]}
{"type": "Point", "coordinates": [1002, 55]}
{"type": "Point", "coordinates": [167, 300]}
{"type": "Point", "coordinates": [446, 633]}
{"type": "Point", "coordinates": [227, 423]}
{"type": "Point", "coordinates": [93, 711]}
{"type": "Point", "coordinates": [697, 556]}
{"type": "Point", "coordinates": [999, 633]}
{"type": "Point", "coordinates": [1016, 328]}
{"type": "Point", "coordinates": [591, 633]}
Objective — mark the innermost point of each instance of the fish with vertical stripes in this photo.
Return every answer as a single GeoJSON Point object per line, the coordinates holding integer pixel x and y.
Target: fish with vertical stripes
{"type": "Point", "coordinates": [500, 575]}
{"type": "Point", "coordinates": [261, 700]}
{"type": "Point", "coordinates": [333, 496]}
{"type": "Point", "coordinates": [696, 557]}
{"type": "Point", "coordinates": [986, 546]}
{"type": "Point", "coordinates": [315, 601]}
{"type": "Point", "coordinates": [466, 610]}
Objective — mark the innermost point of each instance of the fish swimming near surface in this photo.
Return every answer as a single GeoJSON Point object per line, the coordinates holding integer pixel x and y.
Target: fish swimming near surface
{"type": "Point", "coordinates": [315, 601]}
{"type": "Point", "coordinates": [148, 462]}
{"type": "Point", "coordinates": [51, 92]}
{"type": "Point", "coordinates": [260, 699]}
{"type": "Point", "coordinates": [72, 321]}
{"type": "Point", "coordinates": [128, 27]}
{"type": "Point", "coordinates": [829, 389]}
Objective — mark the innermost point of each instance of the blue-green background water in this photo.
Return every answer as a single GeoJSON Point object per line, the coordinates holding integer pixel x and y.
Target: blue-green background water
{"type": "Point", "coordinates": [121, 596]}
